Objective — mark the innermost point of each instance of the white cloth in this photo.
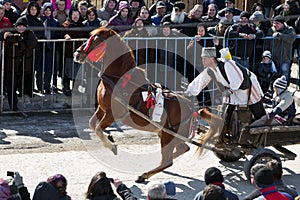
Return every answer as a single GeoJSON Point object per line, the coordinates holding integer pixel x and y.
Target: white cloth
{"type": "Point", "coordinates": [235, 77]}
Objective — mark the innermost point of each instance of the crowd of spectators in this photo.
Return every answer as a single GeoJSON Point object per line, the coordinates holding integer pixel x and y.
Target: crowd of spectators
{"type": "Point", "coordinates": [265, 178]}
{"type": "Point", "coordinates": [133, 18]}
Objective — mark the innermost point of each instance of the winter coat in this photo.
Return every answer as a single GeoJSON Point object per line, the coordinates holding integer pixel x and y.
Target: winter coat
{"type": "Point", "coordinates": [270, 3]}
{"type": "Point", "coordinates": [118, 21]}
{"type": "Point", "coordinates": [104, 13]}
{"type": "Point", "coordinates": [270, 193]}
{"type": "Point", "coordinates": [26, 42]}
{"type": "Point", "coordinates": [124, 192]}
{"type": "Point", "coordinates": [228, 194]}
{"type": "Point", "coordinates": [282, 44]}
{"type": "Point", "coordinates": [12, 15]}
{"type": "Point", "coordinates": [242, 48]}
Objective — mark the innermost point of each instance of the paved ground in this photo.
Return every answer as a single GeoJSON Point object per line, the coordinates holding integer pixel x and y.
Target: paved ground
{"type": "Point", "coordinates": [43, 144]}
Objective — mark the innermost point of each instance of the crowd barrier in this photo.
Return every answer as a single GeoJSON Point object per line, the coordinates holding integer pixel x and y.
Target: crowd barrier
{"type": "Point", "coordinates": [167, 61]}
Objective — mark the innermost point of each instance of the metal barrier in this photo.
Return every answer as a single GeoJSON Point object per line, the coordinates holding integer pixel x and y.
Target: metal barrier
{"type": "Point", "coordinates": [166, 60]}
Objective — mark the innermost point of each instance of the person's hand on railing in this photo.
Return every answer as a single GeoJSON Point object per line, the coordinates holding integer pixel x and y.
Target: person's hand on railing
{"type": "Point", "coordinates": [67, 37]}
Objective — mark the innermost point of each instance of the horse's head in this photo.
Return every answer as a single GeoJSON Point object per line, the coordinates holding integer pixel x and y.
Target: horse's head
{"type": "Point", "coordinates": [95, 47]}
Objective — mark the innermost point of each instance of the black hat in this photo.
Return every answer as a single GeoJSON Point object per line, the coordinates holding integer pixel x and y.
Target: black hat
{"type": "Point", "coordinates": [213, 175]}
{"type": "Point", "coordinates": [245, 14]}
{"type": "Point", "coordinates": [232, 1]}
{"type": "Point", "coordinates": [21, 21]}
{"type": "Point", "coordinates": [264, 177]}
{"type": "Point", "coordinates": [279, 18]}
{"type": "Point", "coordinates": [160, 4]}
{"type": "Point", "coordinates": [5, 1]}
{"type": "Point", "coordinates": [179, 4]}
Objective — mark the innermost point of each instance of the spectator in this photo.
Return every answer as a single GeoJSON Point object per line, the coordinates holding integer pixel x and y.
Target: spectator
{"type": "Point", "coordinates": [284, 36]}
{"type": "Point", "coordinates": [284, 108]}
{"type": "Point", "coordinates": [138, 46]}
{"type": "Point", "coordinates": [168, 4]}
{"type": "Point", "coordinates": [276, 168]}
{"type": "Point", "coordinates": [242, 49]}
{"type": "Point", "coordinates": [50, 67]}
{"type": "Point", "coordinates": [214, 176]}
{"type": "Point", "coordinates": [160, 13]}
{"type": "Point", "coordinates": [100, 188]}
{"type": "Point", "coordinates": [4, 24]}
{"type": "Point", "coordinates": [4, 189]}
{"type": "Point", "coordinates": [281, 7]}
{"type": "Point", "coordinates": [59, 182]}
{"type": "Point", "coordinates": [213, 192]}
{"type": "Point", "coordinates": [211, 15]}
{"type": "Point", "coordinates": [60, 13]}
{"type": "Point", "coordinates": [10, 12]}
{"type": "Point", "coordinates": [178, 17]}
{"type": "Point", "coordinates": [108, 10]}
{"type": "Point", "coordinates": [219, 3]}
{"type": "Point", "coordinates": [258, 19]}
{"type": "Point", "coordinates": [33, 20]}
{"type": "Point", "coordinates": [230, 4]}
{"type": "Point", "coordinates": [83, 7]}
{"type": "Point", "coordinates": [219, 29]}
{"type": "Point", "coordinates": [156, 190]}
{"type": "Point", "coordinates": [18, 48]}
{"type": "Point", "coordinates": [45, 191]}
{"type": "Point", "coordinates": [266, 71]}
{"type": "Point", "coordinates": [196, 13]}
{"type": "Point", "coordinates": [268, 4]}
{"type": "Point", "coordinates": [143, 13]}
{"type": "Point", "coordinates": [258, 7]}
{"type": "Point", "coordinates": [92, 20]}
{"type": "Point", "coordinates": [68, 5]}
{"type": "Point", "coordinates": [71, 68]}
{"type": "Point", "coordinates": [264, 181]}
{"type": "Point", "coordinates": [122, 21]}
{"type": "Point", "coordinates": [17, 188]}
{"type": "Point", "coordinates": [229, 15]}
{"type": "Point", "coordinates": [135, 6]}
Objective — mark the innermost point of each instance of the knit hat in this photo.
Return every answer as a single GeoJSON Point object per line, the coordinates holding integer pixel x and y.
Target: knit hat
{"type": "Point", "coordinates": [245, 14]}
{"type": "Point", "coordinates": [229, 10]}
{"type": "Point", "coordinates": [280, 83]}
{"type": "Point", "coordinates": [179, 4]}
{"type": "Point", "coordinates": [264, 177]}
{"type": "Point", "coordinates": [4, 189]}
{"type": "Point", "coordinates": [21, 21]}
{"type": "Point", "coordinates": [279, 18]}
{"type": "Point", "coordinates": [208, 52]}
{"type": "Point", "coordinates": [213, 175]}
{"type": "Point", "coordinates": [267, 53]}
{"type": "Point", "coordinates": [257, 16]}
{"type": "Point", "coordinates": [160, 4]}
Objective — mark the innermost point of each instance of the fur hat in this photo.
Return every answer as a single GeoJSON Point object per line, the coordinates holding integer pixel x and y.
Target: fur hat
{"type": "Point", "coordinates": [213, 175]}
{"type": "Point", "coordinates": [280, 83]}
{"type": "Point", "coordinates": [257, 16]}
{"type": "Point", "coordinates": [179, 4]}
{"type": "Point", "coordinates": [267, 53]}
{"type": "Point", "coordinates": [279, 18]}
{"type": "Point", "coordinates": [208, 52]}
{"type": "Point", "coordinates": [264, 177]}
{"type": "Point", "coordinates": [245, 14]}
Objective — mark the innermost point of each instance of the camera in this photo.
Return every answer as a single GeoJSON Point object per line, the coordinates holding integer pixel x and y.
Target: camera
{"type": "Point", "coordinates": [10, 173]}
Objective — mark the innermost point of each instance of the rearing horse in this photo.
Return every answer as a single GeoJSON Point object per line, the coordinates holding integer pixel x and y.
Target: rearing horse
{"type": "Point", "coordinates": [122, 79]}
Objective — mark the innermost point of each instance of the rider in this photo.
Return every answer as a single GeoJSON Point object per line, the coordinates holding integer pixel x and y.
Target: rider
{"type": "Point", "coordinates": [234, 81]}
{"type": "Point", "coordinates": [284, 105]}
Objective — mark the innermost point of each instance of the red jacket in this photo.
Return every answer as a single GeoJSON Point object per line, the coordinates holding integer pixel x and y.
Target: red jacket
{"type": "Point", "coordinates": [271, 193]}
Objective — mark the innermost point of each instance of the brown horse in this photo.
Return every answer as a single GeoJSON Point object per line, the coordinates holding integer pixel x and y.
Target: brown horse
{"type": "Point", "coordinates": [121, 86]}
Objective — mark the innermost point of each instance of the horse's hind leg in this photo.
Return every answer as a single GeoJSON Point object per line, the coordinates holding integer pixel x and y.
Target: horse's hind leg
{"type": "Point", "coordinates": [94, 119]}
{"type": "Point", "coordinates": [106, 121]}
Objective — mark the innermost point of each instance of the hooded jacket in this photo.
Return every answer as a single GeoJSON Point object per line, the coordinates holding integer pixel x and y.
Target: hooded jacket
{"type": "Point", "coordinates": [118, 21]}
{"type": "Point", "coordinates": [105, 13]}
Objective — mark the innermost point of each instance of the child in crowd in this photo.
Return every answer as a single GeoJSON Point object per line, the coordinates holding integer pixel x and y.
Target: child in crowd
{"type": "Point", "coordinates": [266, 71]}
{"type": "Point", "coordinates": [68, 5]}
{"type": "Point", "coordinates": [284, 105]}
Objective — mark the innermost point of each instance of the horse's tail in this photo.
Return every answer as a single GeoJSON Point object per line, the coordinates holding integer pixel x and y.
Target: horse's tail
{"type": "Point", "coordinates": [215, 127]}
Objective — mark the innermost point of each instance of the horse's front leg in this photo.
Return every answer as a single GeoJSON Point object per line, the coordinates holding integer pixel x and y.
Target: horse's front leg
{"type": "Point", "coordinates": [105, 122]}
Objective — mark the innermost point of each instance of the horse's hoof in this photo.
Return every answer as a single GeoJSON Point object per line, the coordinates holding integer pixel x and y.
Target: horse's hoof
{"type": "Point", "coordinates": [141, 179]}
{"type": "Point", "coordinates": [114, 149]}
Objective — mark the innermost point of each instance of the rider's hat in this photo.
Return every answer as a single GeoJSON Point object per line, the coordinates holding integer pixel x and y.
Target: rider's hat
{"type": "Point", "coordinates": [208, 52]}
